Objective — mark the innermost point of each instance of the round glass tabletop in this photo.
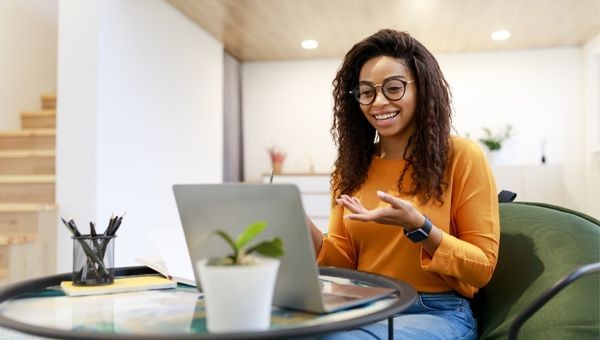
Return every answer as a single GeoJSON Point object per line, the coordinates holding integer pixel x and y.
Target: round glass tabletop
{"type": "Point", "coordinates": [40, 307]}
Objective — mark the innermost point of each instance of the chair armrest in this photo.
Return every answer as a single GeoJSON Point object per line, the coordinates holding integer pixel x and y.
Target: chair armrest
{"type": "Point", "coordinates": [549, 294]}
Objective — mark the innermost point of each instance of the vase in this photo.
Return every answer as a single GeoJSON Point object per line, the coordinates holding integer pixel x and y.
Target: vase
{"type": "Point", "coordinates": [493, 157]}
{"type": "Point", "coordinates": [238, 298]}
{"type": "Point", "coordinates": [277, 167]}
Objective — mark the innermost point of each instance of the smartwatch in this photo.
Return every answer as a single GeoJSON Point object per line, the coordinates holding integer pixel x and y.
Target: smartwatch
{"type": "Point", "coordinates": [419, 234]}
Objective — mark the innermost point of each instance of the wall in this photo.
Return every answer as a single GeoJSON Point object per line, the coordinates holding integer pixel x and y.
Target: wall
{"type": "Point", "coordinates": [28, 32]}
{"type": "Point", "coordinates": [537, 91]}
{"type": "Point", "coordinates": [591, 76]}
{"type": "Point", "coordinates": [140, 99]}
{"type": "Point", "coordinates": [288, 105]}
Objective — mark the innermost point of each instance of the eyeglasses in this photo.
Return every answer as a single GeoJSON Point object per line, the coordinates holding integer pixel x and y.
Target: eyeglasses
{"type": "Point", "coordinates": [393, 89]}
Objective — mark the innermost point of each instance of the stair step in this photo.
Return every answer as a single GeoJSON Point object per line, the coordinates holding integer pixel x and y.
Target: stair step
{"type": "Point", "coordinates": [22, 217]}
{"type": "Point", "coordinates": [38, 119]}
{"type": "Point", "coordinates": [26, 207]}
{"type": "Point", "coordinates": [28, 139]}
{"type": "Point", "coordinates": [27, 188]}
{"type": "Point", "coordinates": [4, 262]}
{"type": "Point", "coordinates": [17, 238]}
{"type": "Point", "coordinates": [26, 161]}
{"type": "Point", "coordinates": [49, 101]}
{"type": "Point", "coordinates": [35, 226]}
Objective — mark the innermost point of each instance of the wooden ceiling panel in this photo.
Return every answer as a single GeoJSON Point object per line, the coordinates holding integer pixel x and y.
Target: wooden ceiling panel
{"type": "Point", "coordinates": [254, 30]}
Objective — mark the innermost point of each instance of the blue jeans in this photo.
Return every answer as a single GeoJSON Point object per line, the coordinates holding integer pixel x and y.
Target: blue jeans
{"type": "Point", "coordinates": [432, 316]}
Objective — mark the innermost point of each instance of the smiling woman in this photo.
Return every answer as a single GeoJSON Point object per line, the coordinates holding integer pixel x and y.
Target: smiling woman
{"type": "Point", "coordinates": [410, 201]}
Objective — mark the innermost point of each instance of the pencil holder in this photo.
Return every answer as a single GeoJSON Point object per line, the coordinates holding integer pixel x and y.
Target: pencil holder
{"type": "Point", "coordinates": [93, 260]}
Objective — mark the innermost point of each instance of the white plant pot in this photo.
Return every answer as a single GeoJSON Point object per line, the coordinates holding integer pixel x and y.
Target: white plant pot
{"type": "Point", "coordinates": [494, 157]}
{"type": "Point", "coordinates": [238, 298]}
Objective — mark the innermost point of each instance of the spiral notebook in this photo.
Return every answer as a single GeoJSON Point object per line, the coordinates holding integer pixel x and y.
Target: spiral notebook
{"type": "Point", "coordinates": [121, 285]}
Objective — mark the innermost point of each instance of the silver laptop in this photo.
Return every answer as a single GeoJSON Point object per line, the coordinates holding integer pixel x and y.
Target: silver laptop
{"type": "Point", "coordinates": [206, 207]}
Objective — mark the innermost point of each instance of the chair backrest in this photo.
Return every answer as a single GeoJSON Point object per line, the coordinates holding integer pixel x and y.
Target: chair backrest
{"type": "Point", "coordinates": [539, 245]}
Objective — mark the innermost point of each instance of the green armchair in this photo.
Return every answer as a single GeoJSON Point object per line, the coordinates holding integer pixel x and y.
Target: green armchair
{"type": "Point", "coordinates": [540, 289]}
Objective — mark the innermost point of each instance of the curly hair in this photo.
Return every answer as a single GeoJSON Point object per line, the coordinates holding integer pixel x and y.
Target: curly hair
{"type": "Point", "coordinates": [428, 148]}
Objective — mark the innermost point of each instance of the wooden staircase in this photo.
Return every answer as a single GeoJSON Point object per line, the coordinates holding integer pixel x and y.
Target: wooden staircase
{"type": "Point", "coordinates": [28, 214]}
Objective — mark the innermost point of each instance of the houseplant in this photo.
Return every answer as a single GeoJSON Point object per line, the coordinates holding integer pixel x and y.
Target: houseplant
{"type": "Point", "coordinates": [493, 141]}
{"type": "Point", "coordinates": [238, 288]}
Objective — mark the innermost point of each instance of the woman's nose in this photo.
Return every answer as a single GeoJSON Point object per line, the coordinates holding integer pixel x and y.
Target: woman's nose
{"type": "Point", "coordinates": [380, 98]}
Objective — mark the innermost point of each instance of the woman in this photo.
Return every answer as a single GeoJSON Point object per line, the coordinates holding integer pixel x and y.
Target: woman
{"type": "Point", "coordinates": [410, 201]}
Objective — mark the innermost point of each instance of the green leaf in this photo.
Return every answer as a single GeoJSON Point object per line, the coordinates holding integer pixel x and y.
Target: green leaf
{"type": "Point", "coordinates": [249, 233]}
{"type": "Point", "coordinates": [270, 248]}
{"type": "Point", "coordinates": [224, 235]}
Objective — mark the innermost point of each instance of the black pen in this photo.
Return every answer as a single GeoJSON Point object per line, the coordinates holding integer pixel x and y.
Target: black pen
{"type": "Point", "coordinates": [111, 222]}
{"type": "Point", "coordinates": [117, 225]}
{"type": "Point", "coordinates": [271, 179]}
{"type": "Point", "coordinates": [92, 229]}
{"type": "Point", "coordinates": [71, 222]}
{"type": "Point", "coordinates": [69, 227]}
{"type": "Point", "coordinates": [93, 234]}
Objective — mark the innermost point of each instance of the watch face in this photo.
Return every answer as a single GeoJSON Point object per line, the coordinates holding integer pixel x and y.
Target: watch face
{"type": "Point", "coordinates": [417, 235]}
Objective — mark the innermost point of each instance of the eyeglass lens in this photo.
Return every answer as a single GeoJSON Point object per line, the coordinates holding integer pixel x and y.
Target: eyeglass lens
{"type": "Point", "coordinates": [393, 89]}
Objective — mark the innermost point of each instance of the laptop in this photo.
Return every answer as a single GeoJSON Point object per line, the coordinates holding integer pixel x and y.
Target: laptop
{"type": "Point", "coordinates": [232, 206]}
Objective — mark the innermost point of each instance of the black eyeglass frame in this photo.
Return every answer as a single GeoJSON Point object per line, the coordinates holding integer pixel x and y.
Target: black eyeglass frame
{"type": "Point", "coordinates": [354, 92]}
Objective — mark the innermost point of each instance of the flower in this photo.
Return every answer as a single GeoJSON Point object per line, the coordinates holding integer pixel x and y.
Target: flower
{"type": "Point", "coordinates": [277, 156]}
{"type": "Point", "coordinates": [494, 141]}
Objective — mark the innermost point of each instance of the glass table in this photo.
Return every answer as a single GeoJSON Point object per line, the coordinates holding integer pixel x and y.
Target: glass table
{"type": "Point", "coordinates": [40, 308]}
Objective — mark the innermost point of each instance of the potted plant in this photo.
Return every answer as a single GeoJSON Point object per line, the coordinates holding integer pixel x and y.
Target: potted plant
{"type": "Point", "coordinates": [493, 141]}
{"type": "Point", "coordinates": [277, 158]}
{"type": "Point", "coordinates": [238, 288]}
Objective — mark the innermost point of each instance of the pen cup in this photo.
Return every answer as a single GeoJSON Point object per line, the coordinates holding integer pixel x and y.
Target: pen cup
{"type": "Point", "coordinates": [93, 260]}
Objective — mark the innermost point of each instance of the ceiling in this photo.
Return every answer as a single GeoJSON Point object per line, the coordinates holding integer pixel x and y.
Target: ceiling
{"type": "Point", "coordinates": [255, 30]}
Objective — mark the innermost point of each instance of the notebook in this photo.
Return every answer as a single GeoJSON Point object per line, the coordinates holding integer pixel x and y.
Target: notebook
{"type": "Point", "coordinates": [204, 208]}
{"type": "Point", "coordinates": [122, 285]}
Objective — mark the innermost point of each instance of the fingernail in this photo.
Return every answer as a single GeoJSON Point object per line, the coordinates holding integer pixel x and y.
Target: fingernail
{"type": "Point", "coordinates": [380, 194]}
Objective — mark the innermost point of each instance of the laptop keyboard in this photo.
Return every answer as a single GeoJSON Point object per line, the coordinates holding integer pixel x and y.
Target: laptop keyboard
{"type": "Point", "coordinates": [334, 299]}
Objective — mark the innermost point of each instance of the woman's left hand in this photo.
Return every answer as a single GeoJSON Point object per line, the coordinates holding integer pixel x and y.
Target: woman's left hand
{"type": "Point", "coordinates": [399, 212]}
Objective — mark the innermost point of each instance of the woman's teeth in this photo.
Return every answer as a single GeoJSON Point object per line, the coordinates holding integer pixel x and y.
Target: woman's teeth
{"type": "Point", "coordinates": [387, 115]}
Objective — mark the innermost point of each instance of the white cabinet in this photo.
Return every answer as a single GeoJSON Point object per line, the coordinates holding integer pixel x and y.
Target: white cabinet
{"type": "Point", "coordinates": [315, 194]}
{"type": "Point", "coordinates": [532, 183]}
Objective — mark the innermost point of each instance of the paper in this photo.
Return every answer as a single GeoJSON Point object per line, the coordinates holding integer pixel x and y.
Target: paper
{"type": "Point", "coordinates": [174, 261]}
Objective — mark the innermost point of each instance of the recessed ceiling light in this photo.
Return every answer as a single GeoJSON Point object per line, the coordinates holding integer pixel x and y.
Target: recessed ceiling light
{"type": "Point", "coordinates": [309, 44]}
{"type": "Point", "coordinates": [501, 35]}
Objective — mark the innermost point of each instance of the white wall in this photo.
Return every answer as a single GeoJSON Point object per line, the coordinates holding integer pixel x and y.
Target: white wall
{"type": "Point", "coordinates": [288, 105]}
{"type": "Point", "coordinates": [28, 32]}
{"type": "Point", "coordinates": [76, 119]}
{"type": "Point", "coordinates": [140, 109]}
{"type": "Point", "coordinates": [537, 91]}
{"type": "Point", "coordinates": [591, 76]}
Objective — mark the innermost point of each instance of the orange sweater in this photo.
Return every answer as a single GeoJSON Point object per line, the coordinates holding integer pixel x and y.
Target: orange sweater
{"type": "Point", "coordinates": [466, 257]}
